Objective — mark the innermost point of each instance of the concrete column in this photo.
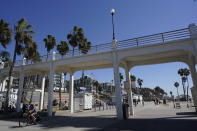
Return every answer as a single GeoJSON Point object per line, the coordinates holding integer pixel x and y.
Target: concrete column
{"type": "Point", "coordinates": [192, 30]}
{"type": "Point", "coordinates": [3, 85]}
{"type": "Point", "coordinates": [62, 80]}
{"type": "Point", "coordinates": [42, 93]}
{"type": "Point", "coordinates": [20, 89]}
{"type": "Point", "coordinates": [11, 80]}
{"type": "Point", "coordinates": [117, 83]}
{"type": "Point", "coordinates": [71, 93]}
{"type": "Point", "coordinates": [129, 91]}
{"type": "Point", "coordinates": [51, 84]}
{"type": "Point", "coordinates": [2, 65]}
{"type": "Point", "coordinates": [194, 79]}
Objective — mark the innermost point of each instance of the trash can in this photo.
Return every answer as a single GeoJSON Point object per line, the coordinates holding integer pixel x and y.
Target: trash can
{"type": "Point", "coordinates": [125, 110]}
{"type": "Point", "coordinates": [164, 101]}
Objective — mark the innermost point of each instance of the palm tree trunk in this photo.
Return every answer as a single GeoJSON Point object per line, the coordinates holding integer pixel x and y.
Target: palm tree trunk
{"type": "Point", "coordinates": [183, 89]}
{"type": "Point", "coordinates": [65, 83]}
{"type": "Point", "coordinates": [31, 96]}
{"type": "Point", "coordinates": [187, 89]}
{"type": "Point", "coordinates": [73, 51]}
{"type": "Point", "coordinates": [60, 95]}
{"type": "Point", "coordinates": [47, 55]}
{"type": "Point", "coordinates": [31, 79]}
{"type": "Point", "coordinates": [178, 93]}
{"type": "Point", "coordinates": [9, 80]}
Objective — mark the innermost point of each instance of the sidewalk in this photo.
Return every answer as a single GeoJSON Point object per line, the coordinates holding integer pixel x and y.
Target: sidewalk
{"type": "Point", "coordinates": [147, 118]}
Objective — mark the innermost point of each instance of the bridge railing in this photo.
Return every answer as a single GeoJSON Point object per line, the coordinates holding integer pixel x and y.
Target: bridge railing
{"type": "Point", "coordinates": [129, 43]}
{"type": "Point", "coordinates": [155, 38]}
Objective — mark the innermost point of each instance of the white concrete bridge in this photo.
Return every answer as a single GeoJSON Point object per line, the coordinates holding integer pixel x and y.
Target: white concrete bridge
{"type": "Point", "coordinates": [174, 46]}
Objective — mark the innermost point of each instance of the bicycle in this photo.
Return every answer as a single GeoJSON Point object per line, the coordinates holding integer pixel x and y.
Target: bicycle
{"type": "Point", "coordinates": [24, 119]}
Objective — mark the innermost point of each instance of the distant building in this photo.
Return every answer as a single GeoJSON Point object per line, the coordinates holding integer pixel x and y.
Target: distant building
{"type": "Point", "coordinates": [107, 86]}
{"type": "Point", "coordinates": [59, 80]}
{"type": "Point", "coordinates": [87, 82]}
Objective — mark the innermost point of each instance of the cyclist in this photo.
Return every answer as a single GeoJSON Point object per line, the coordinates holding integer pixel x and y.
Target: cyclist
{"type": "Point", "coordinates": [32, 113]}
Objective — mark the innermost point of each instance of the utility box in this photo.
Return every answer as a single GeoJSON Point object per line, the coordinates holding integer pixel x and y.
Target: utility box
{"type": "Point", "coordinates": [82, 101]}
{"type": "Point", "coordinates": [87, 101]}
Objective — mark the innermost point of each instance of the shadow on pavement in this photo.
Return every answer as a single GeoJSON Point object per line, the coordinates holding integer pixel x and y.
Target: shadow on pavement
{"type": "Point", "coordinates": [110, 123]}
{"type": "Point", "coordinates": [153, 125]}
{"type": "Point", "coordinates": [187, 113]}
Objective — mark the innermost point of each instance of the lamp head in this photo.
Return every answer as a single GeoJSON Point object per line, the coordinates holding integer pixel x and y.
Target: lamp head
{"type": "Point", "coordinates": [112, 11]}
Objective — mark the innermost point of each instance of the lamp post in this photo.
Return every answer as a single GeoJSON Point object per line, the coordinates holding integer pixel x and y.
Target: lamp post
{"type": "Point", "coordinates": [112, 13]}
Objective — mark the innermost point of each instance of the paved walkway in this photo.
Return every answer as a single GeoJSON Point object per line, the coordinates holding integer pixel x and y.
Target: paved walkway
{"type": "Point", "coordinates": [147, 118]}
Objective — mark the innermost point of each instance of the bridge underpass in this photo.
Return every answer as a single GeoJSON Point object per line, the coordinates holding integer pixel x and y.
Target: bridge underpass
{"type": "Point", "coordinates": [174, 46]}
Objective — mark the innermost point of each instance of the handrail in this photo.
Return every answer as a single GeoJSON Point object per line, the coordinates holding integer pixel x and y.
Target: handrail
{"type": "Point", "coordinates": [159, 38]}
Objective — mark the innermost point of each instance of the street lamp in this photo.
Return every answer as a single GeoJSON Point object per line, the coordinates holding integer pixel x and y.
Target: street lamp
{"type": "Point", "coordinates": [112, 13]}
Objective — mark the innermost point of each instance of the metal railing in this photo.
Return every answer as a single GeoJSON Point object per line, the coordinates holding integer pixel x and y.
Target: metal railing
{"type": "Point", "coordinates": [129, 43]}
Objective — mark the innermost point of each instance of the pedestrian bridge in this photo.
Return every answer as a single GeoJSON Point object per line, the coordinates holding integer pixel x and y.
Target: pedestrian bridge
{"type": "Point", "coordinates": [173, 46]}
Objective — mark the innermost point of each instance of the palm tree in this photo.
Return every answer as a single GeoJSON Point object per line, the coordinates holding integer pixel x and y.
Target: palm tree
{"type": "Point", "coordinates": [77, 38]}
{"type": "Point", "coordinates": [5, 39]}
{"type": "Point", "coordinates": [133, 78]}
{"type": "Point", "coordinates": [50, 43]}
{"type": "Point", "coordinates": [171, 94]}
{"type": "Point", "coordinates": [159, 92]}
{"type": "Point", "coordinates": [176, 84]}
{"type": "Point", "coordinates": [84, 45]}
{"type": "Point", "coordinates": [187, 73]}
{"type": "Point", "coordinates": [73, 37]}
{"type": "Point", "coordinates": [22, 33]}
{"type": "Point", "coordinates": [140, 81]}
{"type": "Point", "coordinates": [181, 73]}
{"type": "Point", "coordinates": [31, 51]}
{"type": "Point", "coordinates": [100, 88]}
{"type": "Point", "coordinates": [121, 78]}
{"type": "Point", "coordinates": [5, 57]}
{"type": "Point", "coordinates": [96, 84]}
{"type": "Point", "coordinates": [62, 49]}
{"type": "Point", "coordinates": [5, 33]}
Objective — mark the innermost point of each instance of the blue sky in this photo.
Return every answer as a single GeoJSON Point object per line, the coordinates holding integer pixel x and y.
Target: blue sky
{"type": "Point", "coordinates": [133, 18]}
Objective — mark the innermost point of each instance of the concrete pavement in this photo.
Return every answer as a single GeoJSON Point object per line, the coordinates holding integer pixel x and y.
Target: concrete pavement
{"type": "Point", "coordinates": [147, 118]}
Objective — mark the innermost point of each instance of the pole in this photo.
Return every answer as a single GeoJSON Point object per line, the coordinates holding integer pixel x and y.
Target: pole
{"type": "Point", "coordinates": [113, 26]}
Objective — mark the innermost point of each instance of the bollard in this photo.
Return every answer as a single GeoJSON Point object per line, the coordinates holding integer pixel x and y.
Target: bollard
{"type": "Point", "coordinates": [99, 107]}
{"type": "Point", "coordinates": [106, 107]}
{"type": "Point", "coordinates": [103, 107]}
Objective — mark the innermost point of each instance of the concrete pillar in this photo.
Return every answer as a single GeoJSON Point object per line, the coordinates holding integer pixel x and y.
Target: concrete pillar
{"type": "Point", "coordinates": [118, 94]}
{"type": "Point", "coordinates": [194, 79]}
{"type": "Point", "coordinates": [129, 91]}
{"type": "Point", "coordinates": [12, 78]}
{"type": "Point", "coordinates": [62, 80]}
{"type": "Point", "coordinates": [20, 89]}
{"type": "Point", "coordinates": [192, 30]}
{"type": "Point", "coordinates": [3, 85]}
{"type": "Point", "coordinates": [51, 84]}
{"type": "Point", "coordinates": [71, 93]}
{"type": "Point", "coordinates": [42, 93]}
{"type": "Point", "coordinates": [2, 65]}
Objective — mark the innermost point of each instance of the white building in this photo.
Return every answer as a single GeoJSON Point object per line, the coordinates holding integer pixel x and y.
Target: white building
{"type": "Point", "coordinates": [107, 86]}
